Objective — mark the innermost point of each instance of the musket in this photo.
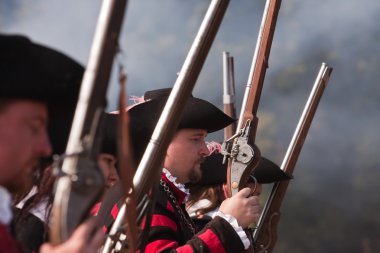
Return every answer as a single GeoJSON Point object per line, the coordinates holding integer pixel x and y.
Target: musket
{"type": "Point", "coordinates": [240, 148]}
{"type": "Point", "coordinates": [229, 93]}
{"type": "Point", "coordinates": [150, 166]}
{"type": "Point", "coordinates": [265, 235]}
{"type": "Point", "coordinates": [81, 183]}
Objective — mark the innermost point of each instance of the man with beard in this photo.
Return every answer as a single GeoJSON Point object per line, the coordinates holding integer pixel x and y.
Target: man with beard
{"type": "Point", "coordinates": [171, 228]}
{"type": "Point", "coordinates": [37, 84]}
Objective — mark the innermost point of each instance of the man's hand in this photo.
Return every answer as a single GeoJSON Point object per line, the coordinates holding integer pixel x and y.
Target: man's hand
{"type": "Point", "coordinates": [244, 207]}
{"type": "Point", "coordinates": [85, 239]}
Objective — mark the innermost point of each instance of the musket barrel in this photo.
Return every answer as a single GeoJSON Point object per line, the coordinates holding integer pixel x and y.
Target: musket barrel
{"type": "Point", "coordinates": [103, 49]}
{"type": "Point", "coordinates": [259, 61]}
{"type": "Point", "coordinates": [229, 92]}
{"type": "Point", "coordinates": [151, 162]}
{"type": "Point", "coordinates": [304, 123]}
{"type": "Point", "coordinates": [228, 96]}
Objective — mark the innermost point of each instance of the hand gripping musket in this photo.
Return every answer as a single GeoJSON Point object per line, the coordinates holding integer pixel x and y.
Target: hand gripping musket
{"type": "Point", "coordinates": [229, 93]}
{"type": "Point", "coordinates": [265, 235]}
{"type": "Point", "coordinates": [244, 154]}
{"type": "Point", "coordinates": [150, 165]}
{"type": "Point", "coordinates": [81, 182]}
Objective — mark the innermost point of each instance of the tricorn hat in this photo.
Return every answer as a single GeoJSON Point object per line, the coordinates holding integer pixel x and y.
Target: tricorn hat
{"type": "Point", "coordinates": [215, 172]}
{"type": "Point", "coordinates": [197, 114]}
{"type": "Point", "coordinates": [35, 72]}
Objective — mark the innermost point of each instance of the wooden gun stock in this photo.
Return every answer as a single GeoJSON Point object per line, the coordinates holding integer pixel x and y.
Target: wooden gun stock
{"type": "Point", "coordinates": [265, 235]}
{"type": "Point", "coordinates": [127, 169]}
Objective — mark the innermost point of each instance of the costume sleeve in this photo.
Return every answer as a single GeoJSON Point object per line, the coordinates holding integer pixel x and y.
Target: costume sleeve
{"type": "Point", "coordinates": [166, 235]}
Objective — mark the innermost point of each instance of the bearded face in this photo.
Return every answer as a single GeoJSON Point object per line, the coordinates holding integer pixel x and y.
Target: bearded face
{"type": "Point", "coordinates": [185, 154]}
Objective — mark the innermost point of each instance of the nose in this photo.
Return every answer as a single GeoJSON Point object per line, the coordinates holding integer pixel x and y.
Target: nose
{"type": "Point", "coordinates": [112, 178]}
{"type": "Point", "coordinates": [43, 146]}
{"type": "Point", "coordinates": [204, 150]}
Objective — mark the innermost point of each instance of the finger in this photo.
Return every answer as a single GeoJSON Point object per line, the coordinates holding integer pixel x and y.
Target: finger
{"type": "Point", "coordinates": [86, 229]}
{"type": "Point", "coordinates": [245, 192]}
{"type": "Point", "coordinates": [253, 200]}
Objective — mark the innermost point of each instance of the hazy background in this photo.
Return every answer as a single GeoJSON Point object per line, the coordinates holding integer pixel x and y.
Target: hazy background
{"type": "Point", "coordinates": [332, 204]}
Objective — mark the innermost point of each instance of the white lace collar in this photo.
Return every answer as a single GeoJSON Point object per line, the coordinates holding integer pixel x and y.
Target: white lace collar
{"type": "Point", "coordinates": [173, 179]}
{"type": "Point", "coordinates": [5, 206]}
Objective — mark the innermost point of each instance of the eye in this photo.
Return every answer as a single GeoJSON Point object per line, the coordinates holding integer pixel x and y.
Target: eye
{"type": "Point", "coordinates": [110, 161]}
{"type": "Point", "coordinates": [36, 127]}
{"type": "Point", "coordinates": [196, 139]}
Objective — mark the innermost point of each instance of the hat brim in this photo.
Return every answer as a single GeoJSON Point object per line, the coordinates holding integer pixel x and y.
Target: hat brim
{"type": "Point", "coordinates": [215, 172]}
{"type": "Point", "coordinates": [197, 114]}
{"type": "Point", "coordinates": [268, 172]}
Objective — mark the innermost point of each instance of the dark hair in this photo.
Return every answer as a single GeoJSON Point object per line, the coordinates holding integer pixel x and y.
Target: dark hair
{"type": "Point", "coordinates": [214, 194]}
{"type": "Point", "coordinates": [43, 179]}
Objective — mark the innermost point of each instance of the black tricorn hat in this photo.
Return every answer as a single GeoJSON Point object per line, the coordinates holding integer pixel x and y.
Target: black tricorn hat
{"type": "Point", "coordinates": [35, 72]}
{"type": "Point", "coordinates": [215, 172]}
{"type": "Point", "coordinates": [139, 135]}
{"type": "Point", "coordinates": [109, 144]}
{"type": "Point", "coordinates": [197, 114]}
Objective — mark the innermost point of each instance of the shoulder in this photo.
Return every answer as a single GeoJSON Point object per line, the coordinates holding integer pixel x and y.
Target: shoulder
{"type": "Point", "coordinates": [7, 243]}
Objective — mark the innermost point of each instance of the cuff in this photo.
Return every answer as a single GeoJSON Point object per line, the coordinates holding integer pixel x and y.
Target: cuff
{"type": "Point", "coordinates": [239, 230]}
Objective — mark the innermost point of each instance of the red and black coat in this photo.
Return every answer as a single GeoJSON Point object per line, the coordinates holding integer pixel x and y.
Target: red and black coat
{"type": "Point", "coordinates": [168, 233]}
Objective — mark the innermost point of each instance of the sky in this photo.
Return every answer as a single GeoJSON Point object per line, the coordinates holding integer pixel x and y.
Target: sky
{"type": "Point", "coordinates": [156, 36]}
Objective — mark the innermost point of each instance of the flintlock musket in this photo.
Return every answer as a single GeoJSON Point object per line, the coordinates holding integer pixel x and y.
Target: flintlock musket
{"type": "Point", "coordinates": [240, 148]}
{"type": "Point", "coordinates": [265, 235]}
{"type": "Point", "coordinates": [80, 182]}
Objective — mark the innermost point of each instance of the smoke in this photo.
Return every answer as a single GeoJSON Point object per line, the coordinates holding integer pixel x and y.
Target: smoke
{"type": "Point", "coordinates": [339, 160]}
